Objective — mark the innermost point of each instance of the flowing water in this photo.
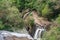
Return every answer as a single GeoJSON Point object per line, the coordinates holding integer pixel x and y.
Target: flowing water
{"type": "Point", "coordinates": [1, 37]}
{"type": "Point", "coordinates": [37, 35]}
{"type": "Point", "coordinates": [38, 32]}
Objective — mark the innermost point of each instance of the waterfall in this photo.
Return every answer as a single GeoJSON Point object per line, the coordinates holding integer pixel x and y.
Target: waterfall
{"type": "Point", "coordinates": [38, 33]}
{"type": "Point", "coordinates": [1, 37]}
{"type": "Point", "coordinates": [18, 35]}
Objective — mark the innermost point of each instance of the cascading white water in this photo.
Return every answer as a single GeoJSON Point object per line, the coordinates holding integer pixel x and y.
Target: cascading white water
{"type": "Point", "coordinates": [1, 37]}
{"type": "Point", "coordinates": [18, 35]}
{"type": "Point", "coordinates": [38, 33]}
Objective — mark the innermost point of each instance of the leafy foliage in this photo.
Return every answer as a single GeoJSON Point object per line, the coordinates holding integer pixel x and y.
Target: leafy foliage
{"type": "Point", "coordinates": [10, 16]}
{"type": "Point", "coordinates": [58, 20]}
{"type": "Point", "coordinates": [53, 34]}
{"type": "Point", "coordinates": [1, 25]}
{"type": "Point", "coordinates": [46, 11]}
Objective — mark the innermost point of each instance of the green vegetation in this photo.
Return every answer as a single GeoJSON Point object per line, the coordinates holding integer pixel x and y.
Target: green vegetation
{"type": "Point", "coordinates": [53, 34]}
{"type": "Point", "coordinates": [1, 25]}
{"type": "Point", "coordinates": [10, 15]}
{"type": "Point", "coordinates": [11, 12]}
{"type": "Point", "coordinates": [58, 19]}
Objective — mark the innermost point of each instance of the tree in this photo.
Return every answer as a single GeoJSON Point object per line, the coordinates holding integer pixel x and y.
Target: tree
{"type": "Point", "coordinates": [10, 15]}
{"type": "Point", "coordinates": [13, 17]}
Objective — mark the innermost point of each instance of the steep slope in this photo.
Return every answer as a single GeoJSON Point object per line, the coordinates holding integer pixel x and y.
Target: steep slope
{"type": "Point", "coordinates": [40, 20]}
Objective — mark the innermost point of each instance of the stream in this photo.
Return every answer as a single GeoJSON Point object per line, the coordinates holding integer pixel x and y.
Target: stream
{"type": "Point", "coordinates": [37, 35]}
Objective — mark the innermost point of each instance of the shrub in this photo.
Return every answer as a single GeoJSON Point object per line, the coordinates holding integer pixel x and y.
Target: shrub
{"type": "Point", "coordinates": [14, 18]}
{"type": "Point", "coordinates": [1, 25]}
{"type": "Point", "coordinates": [58, 19]}
{"type": "Point", "coordinates": [46, 11]}
{"type": "Point", "coordinates": [53, 34]}
{"type": "Point", "coordinates": [10, 15]}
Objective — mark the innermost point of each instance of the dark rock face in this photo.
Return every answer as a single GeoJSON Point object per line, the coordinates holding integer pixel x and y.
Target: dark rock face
{"type": "Point", "coordinates": [31, 30]}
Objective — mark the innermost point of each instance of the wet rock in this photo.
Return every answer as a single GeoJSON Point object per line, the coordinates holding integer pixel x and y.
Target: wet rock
{"type": "Point", "coordinates": [16, 38]}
